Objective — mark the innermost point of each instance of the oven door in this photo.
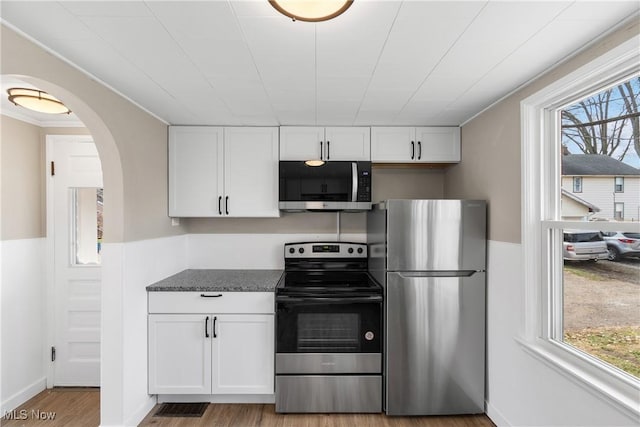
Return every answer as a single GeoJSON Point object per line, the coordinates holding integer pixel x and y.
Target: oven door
{"type": "Point", "coordinates": [320, 335]}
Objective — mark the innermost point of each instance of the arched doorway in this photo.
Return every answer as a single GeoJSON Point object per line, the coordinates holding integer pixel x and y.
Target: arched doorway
{"type": "Point", "coordinates": [111, 332]}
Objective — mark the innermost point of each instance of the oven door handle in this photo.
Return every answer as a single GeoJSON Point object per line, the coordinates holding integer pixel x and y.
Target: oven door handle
{"type": "Point", "coordinates": [332, 300]}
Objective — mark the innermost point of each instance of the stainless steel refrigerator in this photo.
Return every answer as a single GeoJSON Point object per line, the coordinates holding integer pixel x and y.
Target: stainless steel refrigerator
{"type": "Point", "coordinates": [429, 255]}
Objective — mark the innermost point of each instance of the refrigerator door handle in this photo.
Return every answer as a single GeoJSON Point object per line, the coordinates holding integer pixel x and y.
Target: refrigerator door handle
{"type": "Point", "coordinates": [456, 273]}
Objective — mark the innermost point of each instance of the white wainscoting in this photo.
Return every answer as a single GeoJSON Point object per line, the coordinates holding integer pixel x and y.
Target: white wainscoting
{"type": "Point", "coordinates": [128, 268]}
{"type": "Point", "coordinates": [23, 332]}
{"type": "Point", "coordinates": [522, 390]}
{"type": "Point", "coordinates": [249, 251]}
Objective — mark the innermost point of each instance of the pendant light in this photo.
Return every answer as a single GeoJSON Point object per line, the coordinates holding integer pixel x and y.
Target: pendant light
{"type": "Point", "coordinates": [37, 100]}
{"type": "Point", "coordinates": [311, 10]}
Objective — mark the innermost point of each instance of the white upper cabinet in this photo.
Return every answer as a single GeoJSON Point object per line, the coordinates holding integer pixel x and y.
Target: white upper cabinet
{"type": "Point", "coordinates": [430, 144]}
{"type": "Point", "coordinates": [219, 172]}
{"type": "Point", "coordinates": [251, 172]}
{"type": "Point", "coordinates": [347, 143]}
{"type": "Point", "coordinates": [301, 143]}
{"type": "Point", "coordinates": [195, 166]}
{"type": "Point", "coordinates": [331, 143]}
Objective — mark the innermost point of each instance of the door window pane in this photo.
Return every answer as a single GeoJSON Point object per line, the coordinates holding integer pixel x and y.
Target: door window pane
{"type": "Point", "coordinates": [86, 227]}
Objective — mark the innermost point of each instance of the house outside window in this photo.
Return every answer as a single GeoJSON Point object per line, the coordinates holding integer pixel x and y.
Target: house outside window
{"type": "Point", "coordinates": [558, 328]}
{"type": "Point", "coordinates": [577, 184]}
{"type": "Point", "coordinates": [618, 211]}
{"type": "Point", "coordinates": [619, 184]}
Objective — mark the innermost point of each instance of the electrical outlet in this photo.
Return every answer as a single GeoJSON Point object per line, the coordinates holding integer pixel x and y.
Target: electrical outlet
{"type": "Point", "coordinates": [175, 222]}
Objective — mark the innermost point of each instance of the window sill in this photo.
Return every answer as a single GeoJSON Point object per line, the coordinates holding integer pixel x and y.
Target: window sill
{"type": "Point", "coordinates": [622, 391]}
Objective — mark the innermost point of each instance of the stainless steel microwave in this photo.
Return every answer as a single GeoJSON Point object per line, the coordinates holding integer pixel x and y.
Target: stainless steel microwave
{"type": "Point", "coordinates": [333, 186]}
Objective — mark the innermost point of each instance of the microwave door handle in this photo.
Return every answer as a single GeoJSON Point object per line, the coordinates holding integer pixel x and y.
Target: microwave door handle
{"type": "Point", "coordinates": [354, 182]}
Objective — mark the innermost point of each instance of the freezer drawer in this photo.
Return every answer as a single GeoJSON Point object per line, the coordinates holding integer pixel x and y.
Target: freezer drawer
{"type": "Point", "coordinates": [328, 393]}
{"type": "Point", "coordinates": [435, 351]}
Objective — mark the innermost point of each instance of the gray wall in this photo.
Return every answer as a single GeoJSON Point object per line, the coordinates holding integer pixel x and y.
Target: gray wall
{"type": "Point", "coordinates": [22, 181]}
{"type": "Point", "coordinates": [132, 143]}
{"type": "Point", "coordinates": [490, 167]}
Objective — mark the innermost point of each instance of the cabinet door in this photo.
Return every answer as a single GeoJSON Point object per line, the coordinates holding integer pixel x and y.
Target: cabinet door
{"type": "Point", "coordinates": [438, 144]}
{"type": "Point", "coordinates": [251, 172]}
{"type": "Point", "coordinates": [195, 171]}
{"type": "Point", "coordinates": [347, 143]}
{"type": "Point", "coordinates": [393, 144]}
{"type": "Point", "coordinates": [243, 354]}
{"type": "Point", "coordinates": [301, 143]}
{"type": "Point", "coordinates": [179, 354]}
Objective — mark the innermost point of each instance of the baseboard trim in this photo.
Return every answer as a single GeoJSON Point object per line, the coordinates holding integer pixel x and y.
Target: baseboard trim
{"type": "Point", "coordinates": [496, 416]}
{"type": "Point", "coordinates": [141, 412]}
{"type": "Point", "coordinates": [23, 395]}
{"type": "Point", "coordinates": [214, 398]}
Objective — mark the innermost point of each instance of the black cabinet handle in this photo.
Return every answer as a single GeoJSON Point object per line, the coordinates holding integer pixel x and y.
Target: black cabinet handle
{"type": "Point", "coordinates": [419, 150]}
{"type": "Point", "coordinates": [206, 327]}
{"type": "Point", "coordinates": [226, 205]}
{"type": "Point", "coordinates": [220, 205]}
{"type": "Point", "coordinates": [321, 150]}
{"type": "Point", "coordinates": [413, 150]}
{"type": "Point", "coordinates": [328, 150]}
{"type": "Point", "coordinates": [210, 296]}
{"type": "Point", "coordinates": [215, 319]}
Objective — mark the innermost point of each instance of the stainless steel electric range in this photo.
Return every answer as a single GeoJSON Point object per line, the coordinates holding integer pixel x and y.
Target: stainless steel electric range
{"type": "Point", "coordinates": [328, 330]}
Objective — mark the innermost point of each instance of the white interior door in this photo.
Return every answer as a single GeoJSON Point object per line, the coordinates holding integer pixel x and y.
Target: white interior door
{"type": "Point", "coordinates": [75, 192]}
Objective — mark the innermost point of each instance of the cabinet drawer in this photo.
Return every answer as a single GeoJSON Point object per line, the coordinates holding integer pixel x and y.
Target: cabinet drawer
{"type": "Point", "coordinates": [227, 302]}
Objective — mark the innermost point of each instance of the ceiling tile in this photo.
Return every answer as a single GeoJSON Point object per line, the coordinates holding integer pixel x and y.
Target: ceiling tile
{"type": "Point", "coordinates": [107, 8]}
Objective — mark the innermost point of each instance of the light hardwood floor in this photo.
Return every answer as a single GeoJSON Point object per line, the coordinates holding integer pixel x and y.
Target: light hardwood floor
{"type": "Point", "coordinates": [81, 408]}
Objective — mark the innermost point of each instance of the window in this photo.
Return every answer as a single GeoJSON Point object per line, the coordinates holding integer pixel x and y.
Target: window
{"type": "Point", "coordinates": [554, 272]}
{"type": "Point", "coordinates": [577, 184]}
{"type": "Point", "coordinates": [619, 184]}
{"type": "Point", "coordinates": [618, 211]}
{"type": "Point", "coordinates": [86, 226]}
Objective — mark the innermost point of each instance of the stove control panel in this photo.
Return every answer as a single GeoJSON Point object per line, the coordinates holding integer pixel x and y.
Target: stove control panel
{"type": "Point", "coordinates": [325, 250]}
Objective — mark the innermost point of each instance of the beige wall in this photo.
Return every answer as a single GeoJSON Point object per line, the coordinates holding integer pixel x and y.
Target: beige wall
{"type": "Point", "coordinates": [386, 183]}
{"type": "Point", "coordinates": [490, 167]}
{"type": "Point", "coordinates": [132, 144]}
{"type": "Point", "coordinates": [22, 182]}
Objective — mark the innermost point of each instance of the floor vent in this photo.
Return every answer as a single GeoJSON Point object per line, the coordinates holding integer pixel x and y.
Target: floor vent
{"type": "Point", "coordinates": [181, 410]}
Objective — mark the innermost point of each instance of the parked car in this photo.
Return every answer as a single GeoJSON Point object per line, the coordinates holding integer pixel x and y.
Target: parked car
{"type": "Point", "coordinates": [622, 244]}
{"type": "Point", "coordinates": [584, 245]}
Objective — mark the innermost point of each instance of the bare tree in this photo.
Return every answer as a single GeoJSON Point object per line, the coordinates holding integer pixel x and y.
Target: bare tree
{"type": "Point", "coordinates": [605, 123]}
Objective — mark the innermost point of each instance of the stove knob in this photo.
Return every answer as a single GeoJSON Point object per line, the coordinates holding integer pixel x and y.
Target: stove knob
{"type": "Point", "coordinates": [301, 250]}
{"type": "Point", "coordinates": [360, 250]}
{"type": "Point", "coordinates": [291, 250]}
{"type": "Point", "coordinates": [350, 250]}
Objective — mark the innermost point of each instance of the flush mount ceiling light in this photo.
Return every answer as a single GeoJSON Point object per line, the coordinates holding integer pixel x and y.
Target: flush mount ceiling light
{"type": "Point", "coordinates": [37, 100]}
{"type": "Point", "coordinates": [311, 10]}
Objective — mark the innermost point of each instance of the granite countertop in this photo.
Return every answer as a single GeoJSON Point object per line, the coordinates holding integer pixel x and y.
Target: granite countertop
{"type": "Point", "coordinates": [219, 280]}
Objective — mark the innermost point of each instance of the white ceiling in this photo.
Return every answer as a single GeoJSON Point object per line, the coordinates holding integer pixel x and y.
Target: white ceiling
{"type": "Point", "coordinates": [381, 63]}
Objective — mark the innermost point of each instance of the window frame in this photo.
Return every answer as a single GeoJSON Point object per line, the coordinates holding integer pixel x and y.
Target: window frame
{"type": "Point", "coordinates": [542, 227]}
{"type": "Point", "coordinates": [577, 188]}
{"type": "Point", "coordinates": [615, 184]}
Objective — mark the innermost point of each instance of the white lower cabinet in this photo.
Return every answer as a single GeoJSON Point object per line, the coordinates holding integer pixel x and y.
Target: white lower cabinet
{"type": "Point", "coordinates": [219, 354]}
{"type": "Point", "coordinates": [179, 354]}
{"type": "Point", "coordinates": [243, 354]}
